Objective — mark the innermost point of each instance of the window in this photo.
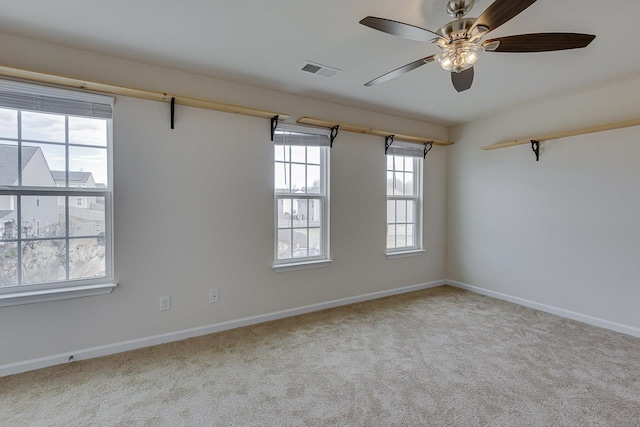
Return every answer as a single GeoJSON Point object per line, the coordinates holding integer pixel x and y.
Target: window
{"type": "Point", "coordinates": [404, 198]}
{"type": "Point", "coordinates": [301, 196]}
{"type": "Point", "coordinates": [49, 246]}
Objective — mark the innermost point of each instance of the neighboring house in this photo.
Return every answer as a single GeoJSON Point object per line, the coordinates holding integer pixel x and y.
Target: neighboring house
{"type": "Point", "coordinates": [299, 207]}
{"type": "Point", "coordinates": [7, 224]}
{"type": "Point", "coordinates": [76, 179]}
{"type": "Point", "coordinates": [401, 208]}
{"type": "Point", "coordinates": [300, 222]}
{"type": "Point", "coordinates": [86, 213]}
{"type": "Point", "coordinates": [300, 210]}
{"type": "Point", "coordinates": [39, 214]}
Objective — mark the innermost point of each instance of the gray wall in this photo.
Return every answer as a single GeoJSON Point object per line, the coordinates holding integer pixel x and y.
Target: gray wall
{"type": "Point", "coordinates": [564, 231]}
{"type": "Point", "coordinates": [215, 171]}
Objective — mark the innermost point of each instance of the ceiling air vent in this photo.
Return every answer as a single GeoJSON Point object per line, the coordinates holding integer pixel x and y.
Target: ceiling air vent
{"type": "Point", "coordinates": [320, 70]}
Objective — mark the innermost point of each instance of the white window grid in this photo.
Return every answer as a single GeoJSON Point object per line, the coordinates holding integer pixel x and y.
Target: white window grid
{"type": "Point", "coordinates": [69, 193]}
{"type": "Point", "coordinates": [404, 203]}
{"type": "Point", "coordinates": [319, 196]}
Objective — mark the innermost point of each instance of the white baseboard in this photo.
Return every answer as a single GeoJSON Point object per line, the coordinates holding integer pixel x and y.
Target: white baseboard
{"type": "Point", "coordinates": [105, 350]}
{"type": "Point", "coordinates": [618, 327]}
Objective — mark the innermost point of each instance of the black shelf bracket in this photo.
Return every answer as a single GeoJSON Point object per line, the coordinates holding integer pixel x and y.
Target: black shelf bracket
{"type": "Point", "coordinates": [173, 112]}
{"type": "Point", "coordinates": [535, 146]}
{"type": "Point", "coordinates": [388, 141]}
{"type": "Point", "coordinates": [427, 147]}
{"type": "Point", "coordinates": [274, 125]}
{"type": "Point", "coordinates": [334, 133]}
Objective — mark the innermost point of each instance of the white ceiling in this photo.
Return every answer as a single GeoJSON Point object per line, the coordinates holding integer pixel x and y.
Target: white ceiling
{"type": "Point", "coordinates": [265, 43]}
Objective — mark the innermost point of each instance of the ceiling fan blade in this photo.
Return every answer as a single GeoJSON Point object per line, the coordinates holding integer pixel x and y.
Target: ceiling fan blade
{"type": "Point", "coordinates": [500, 12]}
{"type": "Point", "coordinates": [542, 42]}
{"type": "Point", "coordinates": [463, 81]}
{"type": "Point", "coordinates": [401, 29]}
{"type": "Point", "coordinates": [400, 71]}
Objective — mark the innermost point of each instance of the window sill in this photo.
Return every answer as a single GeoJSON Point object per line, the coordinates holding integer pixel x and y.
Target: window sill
{"type": "Point", "coordinates": [301, 265]}
{"type": "Point", "coordinates": [29, 297]}
{"type": "Point", "coordinates": [416, 252]}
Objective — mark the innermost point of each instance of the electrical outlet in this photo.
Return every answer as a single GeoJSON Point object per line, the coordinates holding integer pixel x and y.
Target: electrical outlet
{"type": "Point", "coordinates": [165, 303]}
{"type": "Point", "coordinates": [213, 295]}
{"type": "Point", "coordinates": [428, 263]}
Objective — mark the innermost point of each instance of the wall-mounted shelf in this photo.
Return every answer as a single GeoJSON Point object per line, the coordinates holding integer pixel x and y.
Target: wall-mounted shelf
{"type": "Point", "coordinates": [370, 131]}
{"type": "Point", "coordinates": [72, 82]}
{"type": "Point", "coordinates": [593, 129]}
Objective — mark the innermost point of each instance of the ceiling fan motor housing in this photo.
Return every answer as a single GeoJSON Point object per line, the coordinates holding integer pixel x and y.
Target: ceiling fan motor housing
{"type": "Point", "coordinates": [459, 8]}
{"type": "Point", "coordinates": [456, 30]}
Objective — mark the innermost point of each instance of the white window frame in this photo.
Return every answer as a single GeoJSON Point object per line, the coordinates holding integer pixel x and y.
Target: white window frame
{"type": "Point", "coordinates": [417, 198]}
{"type": "Point", "coordinates": [69, 288]}
{"type": "Point", "coordinates": [323, 259]}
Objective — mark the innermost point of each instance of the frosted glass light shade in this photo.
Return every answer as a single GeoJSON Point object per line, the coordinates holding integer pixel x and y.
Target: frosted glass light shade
{"type": "Point", "coordinates": [459, 56]}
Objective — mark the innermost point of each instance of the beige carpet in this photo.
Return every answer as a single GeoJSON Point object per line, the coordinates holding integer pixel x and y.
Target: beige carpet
{"type": "Point", "coordinates": [441, 357]}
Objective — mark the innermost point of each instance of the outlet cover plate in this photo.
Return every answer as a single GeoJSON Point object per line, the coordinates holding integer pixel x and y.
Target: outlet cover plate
{"type": "Point", "coordinates": [214, 296]}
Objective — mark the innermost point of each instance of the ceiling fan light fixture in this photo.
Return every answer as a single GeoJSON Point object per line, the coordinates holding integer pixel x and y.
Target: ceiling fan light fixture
{"type": "Point", "coordinates": [459, 56]}
{"type": "Point", "coordinates": [461, 43]}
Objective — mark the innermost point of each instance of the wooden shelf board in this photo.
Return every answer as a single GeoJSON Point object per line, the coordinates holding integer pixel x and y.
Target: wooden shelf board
{"type": "Point", "coordinates": [72, 82]}
{"type": "Point", "coordinates": [370, 131]}
{"type": "Point", "coordinates": [584, 131]}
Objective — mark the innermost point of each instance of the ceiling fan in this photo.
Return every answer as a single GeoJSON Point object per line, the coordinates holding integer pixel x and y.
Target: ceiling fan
{"type": "Point", "coordinates": [461, 40]}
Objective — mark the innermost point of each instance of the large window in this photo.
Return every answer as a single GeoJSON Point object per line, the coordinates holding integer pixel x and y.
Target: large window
{"type": "Point", "coordinates": [301, 195]}
{"type": "Point", "coordinates": [404, 200]}
{"type": "Point", "coordinates": [55, 193]}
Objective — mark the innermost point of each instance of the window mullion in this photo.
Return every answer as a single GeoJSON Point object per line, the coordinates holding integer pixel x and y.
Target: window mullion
{"type": "Point", "coordinates": [19, 234]}
{"type": "Point", "coordinates": [66, 204]}
{"type": "Point", "coordinates": [291, 238]}
{"type": "Point", "coordinates": [395, 223]}
{"type": "Point", "coordinates": [54, 191]}
{"type": "Point", "coordinates": [308, 229]}
{"type": "Point", "coordinates": [284, 163]}
{"type": "Point", "coordinates": [45, 239]}
{"type": "Point", "coordinates": [68, 242]}
{"type": "Point", "coordinates": [410, 198]}
{"type": "Point", "coordinates": [300, 196]}
{"type": "Point", "coordinates": [19, 201]}
{"type": "Point", "coordinates": [289, 167]}
{"type": "Point", "coordinates": [19, 148]}
{"type": "Point", "coordinates": [417, 177]}
{"type": "Point", "coordinates": [35, 141]}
